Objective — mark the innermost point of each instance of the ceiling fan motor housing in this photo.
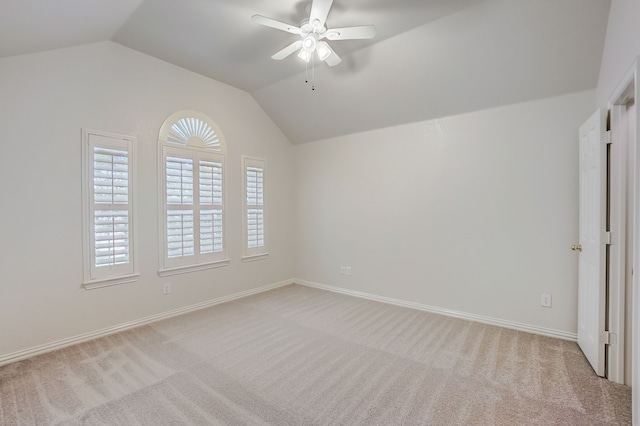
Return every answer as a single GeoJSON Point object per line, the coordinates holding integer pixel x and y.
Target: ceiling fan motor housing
{"type": "Point", "coordinates": [308, 28]}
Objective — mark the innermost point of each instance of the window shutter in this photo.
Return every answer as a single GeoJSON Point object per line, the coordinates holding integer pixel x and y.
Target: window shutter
{"type": "Point", "coordinates": [186, 128]}
{"type": "Point", "coordinates": [211, 231]}
{"type": "Point", "coordinates": [254, 207]}
{"type": "Point", "coordinates": [180, 233]}
{"type": "Point", "coordinates": [210, 182]}
{"type": "Point", "coordinates": [179, 180]}
{"type": "Point", "coordinates": [110, 189]}
{"type": "Point", "coordinates": [109, 207]}
{"type": "Point", "coordinates": [193, 210]}
{"type": "Point", "coordinates": [111, 236]}
{"type": "Point", "coordinates": [110, 176]}
{"type": "Point", "coordinates": [191, 194]}
{"type": "Point", "coordinates": [179, 192]}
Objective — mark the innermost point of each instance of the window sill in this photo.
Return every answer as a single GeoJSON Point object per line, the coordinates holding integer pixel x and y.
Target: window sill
{"type": "Point", "coordinates": [254, 257]}
{"type": "Point", "coordinates": [108, 282]}
{"type": "Point", "coordinates": [193, 268]}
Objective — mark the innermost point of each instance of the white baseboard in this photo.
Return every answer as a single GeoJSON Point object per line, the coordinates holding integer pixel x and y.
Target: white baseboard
{"type": "Point", "coordinates": [463, 315]}
{"type": "Point", "coordinates": [59, 344]}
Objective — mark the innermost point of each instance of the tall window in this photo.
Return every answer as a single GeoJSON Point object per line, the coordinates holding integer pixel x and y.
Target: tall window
{"type": "Point", "coordinates": [192, 194]}
{"type": "Point", "coordinates": [108, 163]}
{"type": "Point", "coordinates": [254, 209]}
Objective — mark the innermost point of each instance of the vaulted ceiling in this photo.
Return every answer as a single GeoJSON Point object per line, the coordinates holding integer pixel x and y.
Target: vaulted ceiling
{"type": "Point", "coordinates": [429, 59]}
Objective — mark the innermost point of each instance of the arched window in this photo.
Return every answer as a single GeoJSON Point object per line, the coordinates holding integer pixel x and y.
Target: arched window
{"type": "Point", "coordinates": [191, 194]}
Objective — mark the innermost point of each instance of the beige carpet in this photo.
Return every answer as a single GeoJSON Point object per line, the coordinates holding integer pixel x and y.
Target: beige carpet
{"type": "Point", "coordinates": [300, 356]}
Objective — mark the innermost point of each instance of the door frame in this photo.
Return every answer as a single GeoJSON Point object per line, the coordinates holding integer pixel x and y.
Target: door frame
{"type": "Point", "coordinates": [622, 145]}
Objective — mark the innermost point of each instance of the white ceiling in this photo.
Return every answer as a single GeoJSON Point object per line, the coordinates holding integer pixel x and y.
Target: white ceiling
{"type": "Point", "coordinates": [430, 58]}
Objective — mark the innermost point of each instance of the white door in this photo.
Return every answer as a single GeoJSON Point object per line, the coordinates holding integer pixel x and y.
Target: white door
{"type": "Point", "coordinates": [591, 269]}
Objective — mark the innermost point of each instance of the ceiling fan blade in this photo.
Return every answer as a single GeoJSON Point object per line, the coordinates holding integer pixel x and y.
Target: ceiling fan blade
{"type": "Point", "coordinates": [351, 33]}
{"type": "Point", "coordinates": [319, 12]}
{"type": "Point", "coordinates": [333, 59]}
{"type": "Point", "coordinates": [287, 50]}
{"type": "Point", "coordinates": [268, 22]}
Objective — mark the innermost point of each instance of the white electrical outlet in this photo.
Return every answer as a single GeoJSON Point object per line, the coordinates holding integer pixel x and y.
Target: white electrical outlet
{"type": "Point", "coordinates": [347, 271]}
{"type": "Point", "coordinates": [343, 270]}
{"type": "Point", "coordinates": [166, 289]}
{"type": "Point", "coordinates": [545, 300]}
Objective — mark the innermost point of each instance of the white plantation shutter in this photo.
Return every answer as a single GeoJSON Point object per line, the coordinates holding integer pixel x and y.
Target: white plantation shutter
{"type": "Point", "coordinates": [111, 189]}
{"type": "Point", "coordinates": [111, 234]}
{"type": "Point", "coordinates": [110, 175]}
{"type": "Point", "coordinates": [211, 231]}
{"type": "Point", "coordinates": [210, 183]}
{"type": "Point", "coordinates": [108, 204]}
{"type": "Point", "coordinates": [180, 233]}
{"type": "Point", "coordinates": [254, 209]}
{"type": "Point", "coordinates": [187, 127]}
{"type": "Point", "coordinates": [192, 194]}
{"type": "Point", "coordinates": [179, 180]}
{"type": "Point", "coordinates": [193, 207]}
{"type": "Point", "coordinates": [179, 183]}
{"type": "Point", "coordinates": [255, 228]}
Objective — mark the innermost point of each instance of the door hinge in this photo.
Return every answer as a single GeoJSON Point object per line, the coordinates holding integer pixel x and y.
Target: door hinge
{"type": "Point", "coordinates": [606, 139]}
{"type": "Point", "coordinates": [607, 238]}
{"type": "Point", "coordinates": [608, 338]}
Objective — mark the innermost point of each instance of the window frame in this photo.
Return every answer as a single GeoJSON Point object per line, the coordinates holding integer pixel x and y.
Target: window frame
{"type": "Point", "coordinates": [104, 276]}
{"type": "Point", "coordinates": [253, 253]}
{"type": "Point", "coordinates": [197, 149]}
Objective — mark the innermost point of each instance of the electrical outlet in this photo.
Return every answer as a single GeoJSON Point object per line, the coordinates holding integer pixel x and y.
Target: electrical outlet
{"type": "Point", "coordinates": [347, 271]}
{"type": "Point", "coordinates": [166, 289]}
{"type": "Point", "coordinates": [343, 270]}
{"type": "Point", "coordinates": [545, 300]}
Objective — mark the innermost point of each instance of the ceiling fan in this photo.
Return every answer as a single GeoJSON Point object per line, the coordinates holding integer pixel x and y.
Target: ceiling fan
{"type": "Point", "coordinates": [312, 33]}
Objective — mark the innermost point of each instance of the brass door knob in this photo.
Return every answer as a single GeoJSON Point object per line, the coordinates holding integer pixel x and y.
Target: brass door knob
{"type": "Point", "coordinates": [576, 248]}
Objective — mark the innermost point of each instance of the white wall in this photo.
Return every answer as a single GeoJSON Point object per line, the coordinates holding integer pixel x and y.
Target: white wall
{"type": "Point", "coordinates": [621, 48]}
{"type": "Point", "coordinates": [47, 98]}
{"type": "Point", "coordinates": [474, 213]}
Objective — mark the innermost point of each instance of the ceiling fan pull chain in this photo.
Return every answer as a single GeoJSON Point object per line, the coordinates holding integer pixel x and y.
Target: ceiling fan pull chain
{"type": "Point", "coordinates": [306, 72]}
{"type": "Point", "coordinates": [313, 73]}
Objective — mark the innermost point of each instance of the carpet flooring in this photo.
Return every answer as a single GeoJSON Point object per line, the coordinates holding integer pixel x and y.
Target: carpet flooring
{"type": "Point", "coordinates": [302, 356]}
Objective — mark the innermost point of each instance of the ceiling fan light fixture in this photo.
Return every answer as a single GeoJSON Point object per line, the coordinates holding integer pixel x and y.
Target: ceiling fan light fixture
{"type": "Point", "coordinates": [309, 43]}
{"type": "Point", "coordinates": [305, 55]}
{"type": "Point", "coordinates": [324, 51]}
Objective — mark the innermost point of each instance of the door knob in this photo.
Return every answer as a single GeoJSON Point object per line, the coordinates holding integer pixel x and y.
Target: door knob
{"type": "Point", "coordinates": [576, 248]}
